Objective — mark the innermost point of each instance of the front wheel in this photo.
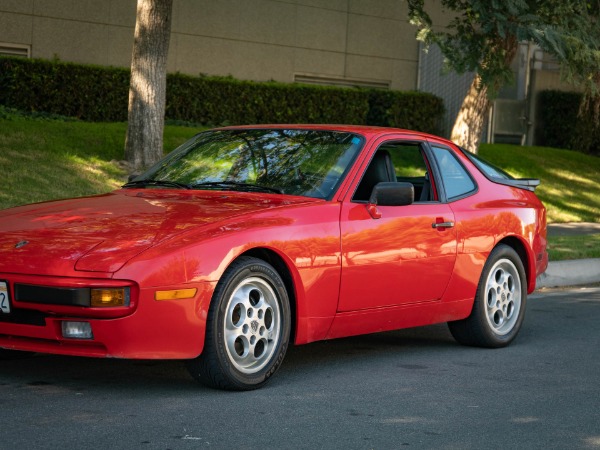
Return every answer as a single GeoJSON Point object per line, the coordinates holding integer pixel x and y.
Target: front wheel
{"type": "Point", "coordinates": [499, 306]}
{"type": "Point", "coordinates": [247, 330]}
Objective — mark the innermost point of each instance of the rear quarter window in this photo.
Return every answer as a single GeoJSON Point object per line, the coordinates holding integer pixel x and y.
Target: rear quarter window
{"type": "Point", "coordinates": [488, 169]}
{"type": "Point", "coordinates": [455, 178]}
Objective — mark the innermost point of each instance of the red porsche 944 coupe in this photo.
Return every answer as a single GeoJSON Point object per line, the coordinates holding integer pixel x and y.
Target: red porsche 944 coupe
{"type": "Point", "coordinates": [246, 239]}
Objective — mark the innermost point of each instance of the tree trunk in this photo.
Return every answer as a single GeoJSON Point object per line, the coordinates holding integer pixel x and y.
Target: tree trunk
{"type": "Point", "coordinates": [476, 105]}
{"type": "Point", "coordinates": [471, 117]}
{"type": "Point", "coordinates": [147, 89]}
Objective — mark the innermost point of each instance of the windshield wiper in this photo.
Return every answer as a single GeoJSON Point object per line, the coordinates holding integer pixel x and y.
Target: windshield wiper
{"type": "Point", "coordinates": [166, 183]}
{"type": "Point", "coordinates": [246, 187]}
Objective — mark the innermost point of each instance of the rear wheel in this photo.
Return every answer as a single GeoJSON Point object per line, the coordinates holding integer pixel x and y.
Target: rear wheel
{"type": "Point", "coordinates": [499, 307]}
{"type": "Point", "coordinates": [247, 330]}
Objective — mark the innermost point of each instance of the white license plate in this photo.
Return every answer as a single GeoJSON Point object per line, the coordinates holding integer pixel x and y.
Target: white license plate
{"type": "Point", "coordinates": [4, 303]}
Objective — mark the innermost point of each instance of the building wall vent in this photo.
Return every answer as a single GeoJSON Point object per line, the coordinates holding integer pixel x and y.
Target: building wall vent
{"type": "Point", "coordinates": [15, 50]}
{"type": "Point", "coordinates": [340, 81]}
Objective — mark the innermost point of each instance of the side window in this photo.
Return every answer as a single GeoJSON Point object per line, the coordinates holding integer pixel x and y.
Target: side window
{"type": "Point", "coordinates": [456, 179]}
{"type": "Point", "coordinates": [397, 161]}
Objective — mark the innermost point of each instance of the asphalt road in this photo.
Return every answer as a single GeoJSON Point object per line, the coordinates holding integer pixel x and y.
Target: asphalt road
{"type": "Point", "coordinates": [405, 389]}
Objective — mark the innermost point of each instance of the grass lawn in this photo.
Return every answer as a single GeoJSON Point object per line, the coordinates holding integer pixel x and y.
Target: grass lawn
{"type": "Point", "coordinates": [574, 247]}
{"type": "Point", "coordinates": [48, 159]}
{"type": "Point", "coordinates": [43, 159]}
{"type": "Point", "coordinates": [570, 186]}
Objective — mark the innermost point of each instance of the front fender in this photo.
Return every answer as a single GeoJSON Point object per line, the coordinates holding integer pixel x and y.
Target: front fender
{"type": "Point", "coordinates": [306, 238]}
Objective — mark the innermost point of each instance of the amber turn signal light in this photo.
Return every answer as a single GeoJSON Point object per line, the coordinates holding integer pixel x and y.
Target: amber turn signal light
{"type": "Point", "coordinates": [109, 297]}
{"type": "Point", "coordinates": [177, 294]}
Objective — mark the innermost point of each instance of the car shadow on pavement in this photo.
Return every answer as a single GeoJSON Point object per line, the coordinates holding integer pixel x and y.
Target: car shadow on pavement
{"type": "Point", "coordinates": [377, 346]}
{"type": "Point", "coordinates": [48, 373]}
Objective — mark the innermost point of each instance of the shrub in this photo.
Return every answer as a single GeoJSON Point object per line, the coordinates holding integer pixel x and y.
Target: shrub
{"type": "Point", "coordinates": [219, 100]}
{"type": "Point", "coordinates": [561, 126]}
{"type": "Point", "coordinates": [409, 110]}
{"type": "Point", "coordinates": [100, 94]}
{"type": "Point", "coordinates": [89, 93]}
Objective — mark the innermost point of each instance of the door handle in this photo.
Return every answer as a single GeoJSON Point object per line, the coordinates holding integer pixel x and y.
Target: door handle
{"type": "Point", "coordinates": [442, 225]}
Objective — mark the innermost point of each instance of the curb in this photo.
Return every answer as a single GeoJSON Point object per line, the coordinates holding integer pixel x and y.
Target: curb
{"type": "Point", "coordinates": [570, 273]}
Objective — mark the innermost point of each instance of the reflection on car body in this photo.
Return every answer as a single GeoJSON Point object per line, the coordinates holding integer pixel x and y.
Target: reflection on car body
{"type": "Point", "coordinates": [246, 239]}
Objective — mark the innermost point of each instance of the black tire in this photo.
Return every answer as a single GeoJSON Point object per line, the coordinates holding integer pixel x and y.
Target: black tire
{"type": "Point", "coordinates": [500, 302]}
{"type": "Point", "coordinates": [247, 330]}
{"type": "Point", "coordinates": [13, 354]}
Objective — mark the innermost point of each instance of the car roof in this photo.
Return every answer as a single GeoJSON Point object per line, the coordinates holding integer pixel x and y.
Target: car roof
{"type": "Point", "coordinates": [366, 130]}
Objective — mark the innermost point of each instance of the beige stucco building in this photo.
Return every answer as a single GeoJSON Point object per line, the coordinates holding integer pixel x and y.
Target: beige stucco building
{"type": "Point", "coordinates": [356, 42]}
{"type": "Point", "coordinates": [342, 42]}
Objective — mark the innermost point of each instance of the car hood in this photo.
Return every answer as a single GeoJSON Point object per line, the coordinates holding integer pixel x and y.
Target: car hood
{"type": "Point", "coordinates": [101, 233]}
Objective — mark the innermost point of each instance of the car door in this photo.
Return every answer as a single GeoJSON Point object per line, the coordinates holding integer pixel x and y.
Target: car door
{"type": "Point", "coordinates": [396, 255]}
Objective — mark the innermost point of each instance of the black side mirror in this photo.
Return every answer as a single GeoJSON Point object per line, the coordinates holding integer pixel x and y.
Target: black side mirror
{"type": "Point", "coordinates": [390, 194]}
{"type": "Point", "coordinates": [393, 194]}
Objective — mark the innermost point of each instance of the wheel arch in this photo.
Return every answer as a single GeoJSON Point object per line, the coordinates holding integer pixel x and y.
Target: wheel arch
{"type": "Point", "coordinates": [525, 255]}
{"type": "Point", "coordinates": [277, 261]}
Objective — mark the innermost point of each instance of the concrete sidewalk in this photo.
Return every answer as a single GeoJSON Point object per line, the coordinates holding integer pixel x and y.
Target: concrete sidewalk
{"type": "Point", "coordinates": [573, 272]}
{"type": "Point", "coordinates": [570, 273]}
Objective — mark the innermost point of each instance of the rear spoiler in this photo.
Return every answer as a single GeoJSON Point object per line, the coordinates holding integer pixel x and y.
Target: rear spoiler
{"type": "Point", "coordinates": [522, 183]}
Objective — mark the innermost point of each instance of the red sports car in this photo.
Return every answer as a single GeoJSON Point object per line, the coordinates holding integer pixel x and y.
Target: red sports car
{"type": "Point", "coordinates": [246, 239]}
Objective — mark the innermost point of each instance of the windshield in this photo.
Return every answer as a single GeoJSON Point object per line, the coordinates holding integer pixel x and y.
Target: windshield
{"type": "Point", "coordinates": [287, 161]}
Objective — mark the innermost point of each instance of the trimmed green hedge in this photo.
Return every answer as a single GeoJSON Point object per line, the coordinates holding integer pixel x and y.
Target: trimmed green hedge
{"type": "Point", "coordinates": [100, 94]}
{"type": "Point", "coordinates": [561, 126]}
{"type": "Point", "coordinates": [220, 100]}
{"type": "Point", "coordinates": [91, 93]}
{"type": "Point", "coordinates": [411, 110]}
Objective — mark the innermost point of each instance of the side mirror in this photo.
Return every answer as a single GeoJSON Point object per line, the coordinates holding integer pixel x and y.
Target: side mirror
{"type": "Point", "coordinates": [393, 194]}
{"type": "Point", "coordinates": [390, 194]}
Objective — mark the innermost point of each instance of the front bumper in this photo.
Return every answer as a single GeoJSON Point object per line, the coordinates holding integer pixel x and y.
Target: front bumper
{"type": "Point", "coordinates": [145, 329]}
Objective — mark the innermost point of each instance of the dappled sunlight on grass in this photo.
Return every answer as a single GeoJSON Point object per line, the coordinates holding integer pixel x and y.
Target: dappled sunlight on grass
{"type": "Point", "coordinates": [566, 175]}
{"type": "Point", "coordinates": [574, 247]}
{"type": "Point", "coordinates": [56, 177]}
{"type": "Point", "coordinates": [40, 162]}
{"type": "Point", "coordinates": [43, 160]}
{"type": "Point", "coordinates": [46, 160]}
{"type": "Point", "coordinates": [570, 187]}
{"type": "Point", "coordinates": [105, 174]}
